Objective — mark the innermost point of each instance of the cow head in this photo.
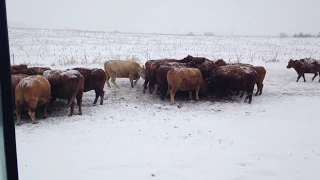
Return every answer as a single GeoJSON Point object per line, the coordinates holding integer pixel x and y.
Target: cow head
{"type": "Point", "coordinates": [291, 64]}
{"type": "Point", "coordinates": [142, 72]}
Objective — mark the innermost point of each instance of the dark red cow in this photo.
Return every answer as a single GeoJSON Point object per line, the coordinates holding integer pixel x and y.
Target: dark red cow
{"type": "Point", "coordinates": [19, 69]}
{"type": "Point", "coordinates": [68, 85]}
{"type": "Point", "coordinates": [37, 70]}
{"type": "Point", "coordinates": [94, 79]}
{"type": "Point", "coordinates": [306, 65]}
{"type": "Point", "coordinates": [234, 77]}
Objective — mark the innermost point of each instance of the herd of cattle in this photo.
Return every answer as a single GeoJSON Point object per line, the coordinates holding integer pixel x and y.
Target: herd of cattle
{"type": "Point", "coordinates": [39, 87]}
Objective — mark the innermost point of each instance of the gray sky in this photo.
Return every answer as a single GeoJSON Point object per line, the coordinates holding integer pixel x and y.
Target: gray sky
{"type": "Point", "coordinates": [222, 17]}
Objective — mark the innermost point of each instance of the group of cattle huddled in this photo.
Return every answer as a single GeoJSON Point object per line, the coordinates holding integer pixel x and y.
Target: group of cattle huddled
{"type": "Point", "coordinates": [36, 87]}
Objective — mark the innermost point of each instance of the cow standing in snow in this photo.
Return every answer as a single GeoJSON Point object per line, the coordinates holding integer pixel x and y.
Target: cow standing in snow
{"type": "Point", "coordinates": [306, 65]}
{"type": "Point", "coordinates": [68, 85]}
{"type": "Point", "coordinates": [234, 77]}
{"type": "Point", "coordinates": [184, 79]}
{"type": "Point", "coordinates": [30, 93]}
{"type": "Point", "coordinates": [94, 79]}
{"type": "Point", "coordinates": [123, 69]}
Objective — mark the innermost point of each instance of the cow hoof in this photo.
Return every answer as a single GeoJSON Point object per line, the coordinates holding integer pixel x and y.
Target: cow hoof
{"type": "Point", "coordinates": [256, 95]}
{"type": "Point", "coordinates": [18, 124]}
{"type": "Point", "coordinates": [34, 122]}
{"type": "Point", "coordinates": [80, 113]}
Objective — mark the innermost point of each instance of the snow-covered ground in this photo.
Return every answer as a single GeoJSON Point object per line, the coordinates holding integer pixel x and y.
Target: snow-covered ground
{"type": "Point", "coordinates": [138, 136]}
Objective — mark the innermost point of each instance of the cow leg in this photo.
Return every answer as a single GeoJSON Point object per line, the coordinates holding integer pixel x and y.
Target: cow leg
{"type": "Point", "coordinates": [241, 94]}
{"type": "Point", "coordinates": [72, 109]}
{"type": "Point", "coordinates": [145, 85]}
{"type": "Point", "coordinates": [190, 95]}
{"type": "Point", "coordinates": [52, 101]}
{"type": "Point", "coordinates": [261, 87]}
{"type": "Point", "coordinates": [79, 102]}
{"type": "Point", "coordinates": [155, 89]}
{"type": "Point", "coordinates": [258, 89]}
{"type": "Point", "coordinates": [97, 96]}
{"type": "Point", "coordinates": [304, 79]}
{"type": "Point", "coordinates": [18, 115]}
{"type": "Point", "coordinates": [197, 93]}
{"type": "Point", "coordinates": [299, 76]}
{"type": "Point", "coordinates": [113, 80]}
{"type": "Point", "coordinates": [249, 96]}
{"type": "Point", "coordinates": [131, 82]}
{"type": "Point", "coordinates": [315, 75]}
{"type": "Point", "coordinates": [150, 88]}
{"type": "Point", "coordinates": [31, 113]}
{"type": "Point", "coordinates": [107, 80]}
{"type": "Point", "coordinates": [135, 82]}
{"type": "Point", "coordinates": [101, 97]}
{"type": "Point", "coordinates": [32, 110]}
{"type": "Point", "coordinates": [172, 93]}
{"type": "Point", "coordinates": [45, 108]}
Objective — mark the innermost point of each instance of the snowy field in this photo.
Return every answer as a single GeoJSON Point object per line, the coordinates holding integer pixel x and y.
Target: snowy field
{"type": "Point", "coordinates": [138, 136]}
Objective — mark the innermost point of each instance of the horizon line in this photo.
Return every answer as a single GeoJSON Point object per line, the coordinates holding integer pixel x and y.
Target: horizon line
{"type": "Point", "coordinates": [123, 32]}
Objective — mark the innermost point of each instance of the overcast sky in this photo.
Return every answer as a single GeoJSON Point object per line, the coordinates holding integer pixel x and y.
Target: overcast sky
{"type": "Point", "coordinates": [222, 17]}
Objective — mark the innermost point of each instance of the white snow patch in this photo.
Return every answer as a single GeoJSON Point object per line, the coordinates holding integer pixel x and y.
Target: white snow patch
{"type": "Point", "coordinates": [70, 73]}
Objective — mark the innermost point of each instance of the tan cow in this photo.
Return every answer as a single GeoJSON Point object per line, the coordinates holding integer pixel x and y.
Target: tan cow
{"type": "Point", "coordinates": [184, 79]}
{"type": "Point", "coordinates": [123, 69]}
{"type": "Point", "coordinates": [30, 93]}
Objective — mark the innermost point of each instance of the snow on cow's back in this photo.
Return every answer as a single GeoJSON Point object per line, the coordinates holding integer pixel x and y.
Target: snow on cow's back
{"type": "Point", "coordinates": [28, 81]}
{"type": "Point", "coordinates": [309, 61]}
{"type": "Point", "coordinates": [70, 73]}
{"type": "Point", "coordinates": [96, 71]}
{"type": "Point", "coordinates": [47, 74]}
{"type": "Point", "coordinates": [246, 69]}
{"type": "Point", "coordinates": [224, 69]}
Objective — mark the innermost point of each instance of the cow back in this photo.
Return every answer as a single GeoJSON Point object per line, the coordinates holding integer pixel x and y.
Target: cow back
{"type": "Point", "coordinates": [94, 79]}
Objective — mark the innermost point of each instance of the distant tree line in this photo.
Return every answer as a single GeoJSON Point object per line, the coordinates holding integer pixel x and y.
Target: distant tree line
{"type": "Point", "coordinates": [300, 35]}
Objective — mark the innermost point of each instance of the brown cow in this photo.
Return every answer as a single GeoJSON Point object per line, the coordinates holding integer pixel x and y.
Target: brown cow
{"type": "Point", "coordinates": [31, 92]}
{"type": "Point", "coordinates": [306, 65]}
{"type": "Point", "coordinates": [94, 79]}
{"type": "Point", "coordinates": [161, 77]}
{"type": "Point", "coordinates": [261, 75]}
{"type": "Point", "coordinates": [234, 77]}
{"type": "Point", "coordinates": [184, 79]}
{"type": "Point", "coordinates": [37, 70]}
{"type": "Point", "coordinates": [123, 69]}
{"type": "Point", "coordinates": [68, 85]}
{"type": "Point", "coordinates": [151, 68]}
{"type": "Point", "coordinates": [15, 79]}
{"type": "Point", "coordinates": [19, 69]}
{"type": "Point", "coordinates": [206, 66]}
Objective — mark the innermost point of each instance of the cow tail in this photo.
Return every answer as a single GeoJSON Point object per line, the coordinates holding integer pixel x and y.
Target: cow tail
{"type": "Point", "coordinates": [77, 89]}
